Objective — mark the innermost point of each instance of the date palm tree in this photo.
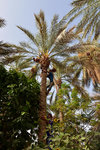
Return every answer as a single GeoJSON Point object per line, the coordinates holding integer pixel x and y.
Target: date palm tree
{"type": "Point", "coordinates": [46, 46]}
{"type": "Point", "coordinates": [5, 48]}
{"type": "Point", "coordinates": [90, 20]}
{"type": "Point", "coordinates": [86, 63]}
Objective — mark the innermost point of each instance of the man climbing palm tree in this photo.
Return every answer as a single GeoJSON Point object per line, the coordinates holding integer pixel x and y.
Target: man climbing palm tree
{"type": "Point", "coordinates": [50, 75]}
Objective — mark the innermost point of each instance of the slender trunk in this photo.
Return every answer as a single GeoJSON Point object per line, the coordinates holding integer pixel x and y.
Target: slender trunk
{"type": "Point", "coordinates": [44, 61]}
{"type": "Point", "coordinates": [42, 111]}
{"type": "Point", "coordinates": [60, 116]}
{"type": "Point", "coordinates": [97, 65]}
{"type": "Point", "coordinates": [60, 110]}
{"type": "Point", "coordinates": [97, 71]}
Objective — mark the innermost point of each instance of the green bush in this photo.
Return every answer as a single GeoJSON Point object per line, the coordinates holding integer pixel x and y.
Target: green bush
{"type": "Point", "coordinates": [19, 101]}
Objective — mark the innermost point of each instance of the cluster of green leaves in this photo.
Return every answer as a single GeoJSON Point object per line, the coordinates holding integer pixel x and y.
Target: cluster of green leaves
{"type": "Point", "coordinates": [77, 131]}
{"type": "Point", "coordinates": [95, 124]}
{"type": "Point", "coordinates": [74, 133]}
{"type": "Point", "coordinates": [19, 103]}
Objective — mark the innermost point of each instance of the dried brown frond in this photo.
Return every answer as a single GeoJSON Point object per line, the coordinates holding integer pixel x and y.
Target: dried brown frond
{"type": "Point", "coordinates": [2, 22]}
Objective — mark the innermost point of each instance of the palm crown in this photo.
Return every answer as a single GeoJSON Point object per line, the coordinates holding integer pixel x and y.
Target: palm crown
{"type": "Point", "coordinates": [86, 62]}
{"type": "Point", "coordinates": [46, 43]}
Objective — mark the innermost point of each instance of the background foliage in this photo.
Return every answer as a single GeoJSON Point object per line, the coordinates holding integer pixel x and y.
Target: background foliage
{"type": "Point", "coordinates": [80, 129]}
{"type": "Point", "coordinates": [19, 101]}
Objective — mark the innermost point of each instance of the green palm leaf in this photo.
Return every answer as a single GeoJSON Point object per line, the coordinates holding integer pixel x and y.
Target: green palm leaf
{"type": "Point", "coordinates": [29, 34]}
{"type": "Point", "coordinates": [89, 10]}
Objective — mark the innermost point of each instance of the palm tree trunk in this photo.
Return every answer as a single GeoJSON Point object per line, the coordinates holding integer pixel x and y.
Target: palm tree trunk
{"type": "Point", "coordinates": [42, 111]}
{"type": "Point", "coordinates": [97, 71]}
{"type": "Point", "coordinates": [60, 111]}
{"type": "Point", "coordinates": [44, 61]}
{"type": "Point", "coordinates": [60, 116]}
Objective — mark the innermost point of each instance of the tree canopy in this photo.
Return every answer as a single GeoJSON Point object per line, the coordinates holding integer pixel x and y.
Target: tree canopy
{"type": "Point", "coordinates": [19, 104]}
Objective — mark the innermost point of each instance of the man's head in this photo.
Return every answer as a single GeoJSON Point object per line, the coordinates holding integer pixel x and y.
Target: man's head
{"type": "Point", "coordinates": [49, 116]}
{"type": "Point", "coordinates": [52, 70]}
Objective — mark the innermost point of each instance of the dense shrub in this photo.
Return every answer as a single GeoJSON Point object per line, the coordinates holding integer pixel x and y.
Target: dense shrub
{"type": "Point", "coordinates": [19, 101]}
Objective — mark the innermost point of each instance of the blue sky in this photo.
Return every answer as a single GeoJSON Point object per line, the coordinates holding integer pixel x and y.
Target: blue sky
{"type": "Point", "coordinates": [21, 12]}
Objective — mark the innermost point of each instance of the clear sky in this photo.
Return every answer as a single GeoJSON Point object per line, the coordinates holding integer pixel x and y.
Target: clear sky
{"type": "Point", "coordinates": [21, 12]}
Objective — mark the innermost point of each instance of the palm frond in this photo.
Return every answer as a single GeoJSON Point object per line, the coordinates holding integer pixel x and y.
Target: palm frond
{"type": "Point", "coordinates": [53, 30]}
{"type": "Point", "coordinates": [57, 28]}
{"type": "Point", "coordinates": [2, 22]}
{"type": "Point", "coordinates": [6, 49]}
{"type": "Point", "coordinates": [75, 59]}
{"type": "Point", "coordinates": [79, 12]}
{"type": "Point", "coordinates": [80, 89]}
{"type": "Point", "coordinates": [58, 64]}
{"type": "Point", "coordinates": [89, 10]}
{"type": "Point", "coordinates": [90, 25]}
{"type": "Point", "coordinates": [61, 45]}
{"type": "Point", "coordinates": [8, 60]}
{"type": "Point", "coordinates": [97, 30]}
{"type": "Point", "coordinates": [28, 47]}
{"type": "Point", "coordinates": [22, 49]}
{"type": "Point", "coordinates": [96, 97]}
{"type": "Point", "coordinates": [42, 26]}
{"type": "Point", "coordinates": [77, 74]}
{"type": "Point", "coordinates": [51, 98]}
{"type": "Point", "coordinates": [29, 34]}
{"type": "Point", "coordinates": [78, 2]}
{"type": "Point", "coordinates": [22, 64]}
{"type": "Point", "coordinates": [86, 18]}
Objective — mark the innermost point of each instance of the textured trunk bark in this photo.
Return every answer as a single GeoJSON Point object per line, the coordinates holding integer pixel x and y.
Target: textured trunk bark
{"type": "Point", "coordinates": [97, 71]}
{"type": "Point", "coordinates": [60, 112]}
{"type": "Point", "coordinates": [42, 112]}
{"type": "Point", "coordinates": [60, 116]}
{"type": "Point", "coordinates": [44, 63]}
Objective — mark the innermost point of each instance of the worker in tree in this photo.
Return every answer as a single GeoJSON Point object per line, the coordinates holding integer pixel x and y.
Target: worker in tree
{"type": "Point", "coordinates": [49, 121]}
{"type": "Point", "coordinates": [49, 132]}
{"type": "Point", "coordinates": [51, 77]}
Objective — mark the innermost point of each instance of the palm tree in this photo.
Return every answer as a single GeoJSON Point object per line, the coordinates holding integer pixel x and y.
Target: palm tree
{"type": "Point", "coordinates": [5, 51]}
{"type": "Point", "coordinates": [90, 12]}
{"type": "Point", "coordinates": [48, 45]}
{"type": "Point", "coordinates": [5, 48]}
{"type": "Point", "coordinates": [85, 62]}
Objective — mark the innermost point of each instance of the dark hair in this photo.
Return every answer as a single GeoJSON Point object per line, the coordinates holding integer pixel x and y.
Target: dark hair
{"type": "Point", "coordinates": [52, 70]}
{"type": "Point", "coordinates": [49, 115]}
